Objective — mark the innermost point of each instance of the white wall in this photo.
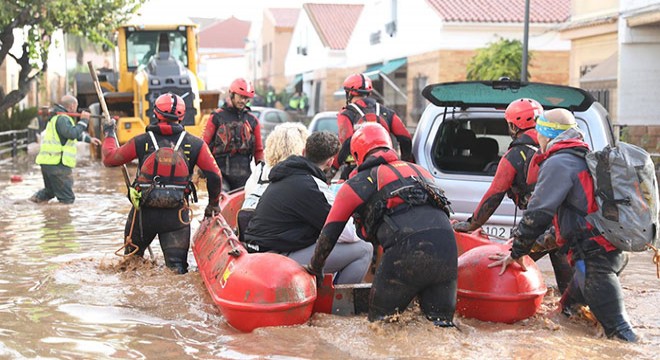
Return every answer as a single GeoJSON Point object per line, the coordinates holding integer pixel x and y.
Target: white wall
{"type": "Point", "coordinates": [318, 56]}
{"type": "Point", "coordinates": [219, 73]}
{"type": "Point", "coordinates": [420, 30]}
{"type": "Point", "coordinates": [639, 70]}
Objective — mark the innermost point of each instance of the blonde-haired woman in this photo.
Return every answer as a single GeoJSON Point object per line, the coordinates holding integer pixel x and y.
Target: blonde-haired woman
{"type": "Point", "coordinates": [285, 140]}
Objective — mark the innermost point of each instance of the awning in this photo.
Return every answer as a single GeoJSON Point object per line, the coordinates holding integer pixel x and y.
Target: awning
{"type": "Point", "coordinates": [386, 68]}
{"type": "Point", "coordinates": [605, 71]}
{"type": "Point", "coordinates": [291, 87]}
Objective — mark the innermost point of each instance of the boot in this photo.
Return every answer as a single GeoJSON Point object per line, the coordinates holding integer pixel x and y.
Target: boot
{"type": "Point", "coordinates": [625, 335]}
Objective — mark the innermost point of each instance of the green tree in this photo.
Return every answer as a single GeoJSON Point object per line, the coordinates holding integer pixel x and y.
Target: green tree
{"type": "Point", "coordinates": [39, 19]}
{"type": "Point", "coordinates": [500, 58]}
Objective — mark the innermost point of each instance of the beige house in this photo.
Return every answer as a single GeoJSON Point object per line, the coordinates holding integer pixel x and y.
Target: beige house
{"type": "Point", "coordinates": [614, 55]}
{"type": "Point", "coordinates": [404, 46]}
{"type": "Point", "coordinates": [276, 32]}
{"type": "Point", "coordinates": [593, 33]}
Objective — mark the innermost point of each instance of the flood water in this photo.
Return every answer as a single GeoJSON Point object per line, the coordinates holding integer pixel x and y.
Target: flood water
{"type": "Point", "coordinates": [65, 295]}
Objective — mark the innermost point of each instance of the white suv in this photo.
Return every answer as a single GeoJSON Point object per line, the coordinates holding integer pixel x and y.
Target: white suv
{"type": "Point", "coordinates": [462, 135]}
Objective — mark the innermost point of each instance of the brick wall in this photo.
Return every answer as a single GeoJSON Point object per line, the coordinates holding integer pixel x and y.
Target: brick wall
{"type": "Point", "coordinates": [334, 81]}
{"type": "Point", "coordinates": [451, 65]}
{"type": "Point", "coordinates": [647, 137]}
{"type": "Point", "coordinates": [550, 67]}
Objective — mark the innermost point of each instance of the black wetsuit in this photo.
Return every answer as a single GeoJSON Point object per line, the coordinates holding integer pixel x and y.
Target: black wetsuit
{"type": "Point", "coordinates": [419, 246]}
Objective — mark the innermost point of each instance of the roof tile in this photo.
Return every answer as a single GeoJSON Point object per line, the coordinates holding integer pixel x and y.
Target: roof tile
{"type": "Point", "coordinates": [226, 34]}
{"type": "Point", "coordinates": [284, 17]}
{"type": "Point", "coordinates": [333, 22]}
{"type": "Point", "coordinates": [502, 11]}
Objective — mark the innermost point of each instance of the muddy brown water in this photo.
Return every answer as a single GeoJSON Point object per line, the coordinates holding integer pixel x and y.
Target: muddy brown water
{"type": "Point", "coordinates": [65, 295]}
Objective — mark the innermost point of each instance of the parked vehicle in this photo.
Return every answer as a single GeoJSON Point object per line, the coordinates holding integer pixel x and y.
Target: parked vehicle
{"type": "Point", "coordinates": [324, 121]}
{"type": "Point", "coordinates": [269, 118]}
{"type": "Point", "coordinates": [462, 135]}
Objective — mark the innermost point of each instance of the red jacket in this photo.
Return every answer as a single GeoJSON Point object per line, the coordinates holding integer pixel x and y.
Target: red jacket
{"type": "Point", "coordinates": [136, 148]}
{"type": "Point", "coordinates": [229, 131]}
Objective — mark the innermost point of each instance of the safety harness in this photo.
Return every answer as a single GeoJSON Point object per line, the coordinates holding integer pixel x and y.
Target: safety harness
{"type": "Point", "coordinates": [413, 190]}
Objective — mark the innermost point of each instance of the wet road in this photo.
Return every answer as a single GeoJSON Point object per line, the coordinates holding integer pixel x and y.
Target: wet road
{"type": "Point", "coordinates": [65, 295]}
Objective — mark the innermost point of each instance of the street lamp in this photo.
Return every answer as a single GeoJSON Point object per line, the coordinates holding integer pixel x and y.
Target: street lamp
{"type": "Point", "coordinates": [523, 71]}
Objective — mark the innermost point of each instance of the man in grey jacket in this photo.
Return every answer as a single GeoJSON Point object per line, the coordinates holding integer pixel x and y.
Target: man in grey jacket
{"type": "Point", "coordinates": [565, 193]}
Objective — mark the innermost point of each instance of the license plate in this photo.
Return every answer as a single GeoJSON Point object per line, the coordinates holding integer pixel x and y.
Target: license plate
{"type": "Point", "coordinates": [497, 231]}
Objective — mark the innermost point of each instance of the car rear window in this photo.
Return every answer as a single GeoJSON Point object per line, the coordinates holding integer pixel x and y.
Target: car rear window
{"type": "Point", "coordinates": [475, 143]}
{"type": "Point", "coordinates": [327, 124]}
{"type": "Point", "coordinates": [499, 94]}
{"type": "Point", "coordinates": [472, 146]}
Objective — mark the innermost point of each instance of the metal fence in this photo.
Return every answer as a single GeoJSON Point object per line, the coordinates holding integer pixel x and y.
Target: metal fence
{"type": "Point", "coordinates": [11, 142]}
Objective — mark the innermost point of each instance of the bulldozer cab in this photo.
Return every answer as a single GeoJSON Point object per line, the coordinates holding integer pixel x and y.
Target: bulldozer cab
{"type": "Point", "coordinates": [152, 59]}
{"type": "Point", "coordinates": [142, 46]}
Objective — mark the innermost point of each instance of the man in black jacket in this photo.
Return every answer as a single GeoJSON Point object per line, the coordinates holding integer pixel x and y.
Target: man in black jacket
{"type": "Point", "coordinates": [293, 209]}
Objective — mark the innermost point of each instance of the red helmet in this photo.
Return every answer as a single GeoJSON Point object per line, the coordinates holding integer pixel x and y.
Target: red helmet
{"type": "Point", "coordinates": [242, 87]}
{"type": "Point", "coordinates": [169, 107]}
{"type": "Point", "coordinates": [367, 137]}
{"type": "Point", "coordinates": [522, 113]}
{"type": "Point", "coordinates": [358, 84]}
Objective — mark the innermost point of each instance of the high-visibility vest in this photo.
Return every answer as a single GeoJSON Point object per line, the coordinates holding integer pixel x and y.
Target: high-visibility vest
{"type": "Point", "coordinates": [52, 152]}
{"type": "Point", "coordinates": [303, 102]}
{"type": "Point", "coordinates": [294, 102]}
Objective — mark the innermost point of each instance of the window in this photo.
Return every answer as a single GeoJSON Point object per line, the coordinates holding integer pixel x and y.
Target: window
{"type": "Point", "coordinates": [142, 45]}
{"type": "Point", "coordinates": [471, 145]}
{"type": "Point", "coordinates": [390, 27]}
{"type": "Point", "coordinates": [374, 38]}
{"type": "Point", "coordinates": [602, 96]}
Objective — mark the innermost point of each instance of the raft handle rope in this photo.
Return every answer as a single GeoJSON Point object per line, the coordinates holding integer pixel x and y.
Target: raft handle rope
{"type": "Point", "coordinates": [231, 237]}
{"type": "Point", "coordinates": [656, 259]}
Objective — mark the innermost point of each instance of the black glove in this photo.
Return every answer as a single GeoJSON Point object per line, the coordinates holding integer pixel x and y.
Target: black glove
{"type": "Point", "coordinates": [110, 128]}
{"type": "Point", "coordinates": [317, 273]}
{"type": "Point", "coordinates": [212, 210]}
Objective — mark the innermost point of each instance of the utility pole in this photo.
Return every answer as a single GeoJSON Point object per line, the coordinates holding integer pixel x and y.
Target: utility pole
{"type": "Point", "coordinates": [523, 70]}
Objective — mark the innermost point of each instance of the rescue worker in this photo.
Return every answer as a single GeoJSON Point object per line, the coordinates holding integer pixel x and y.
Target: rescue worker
{"type": "Point", "coordinates": [172, 225]}
{"type": "Point", "coordinates": [271, 97]}
{"type": "Point", "coordinates": [511, 179]}
{"type": "Point", "coordinates": [57, 153]}
{"type": "Point", "coordinates": [294, 206]}
{"type": "Point", "coordinates": [396, 204]}
{"type": "Point", "coordinates": [234, 135]}
{"type": "Point", "coordinates": [303, 107]}
{"type": "Point", "coordinates": [294, 102]}
{"type": "Point", "coordinates": [563, 194]}
{"type": "Point", "coordinates": [358, 88]}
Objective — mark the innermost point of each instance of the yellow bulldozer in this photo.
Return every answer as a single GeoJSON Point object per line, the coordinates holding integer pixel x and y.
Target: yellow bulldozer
{"type": "Point", "coordinates": [152, 58]}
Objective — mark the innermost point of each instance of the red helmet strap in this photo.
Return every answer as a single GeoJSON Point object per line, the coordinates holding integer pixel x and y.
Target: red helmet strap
{"type": "Point", "coordinates": [171, 115]}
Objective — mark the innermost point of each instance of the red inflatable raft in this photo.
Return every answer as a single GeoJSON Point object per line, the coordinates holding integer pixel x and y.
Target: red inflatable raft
{"type": "Point", "coordinates": [468, 241]}
{"type": "Point", "coordinates": [485, 295]}
{"type": "Point", "coordinates": [251, 290]}
{"type": "Point", "coordinates": [230, 203]}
